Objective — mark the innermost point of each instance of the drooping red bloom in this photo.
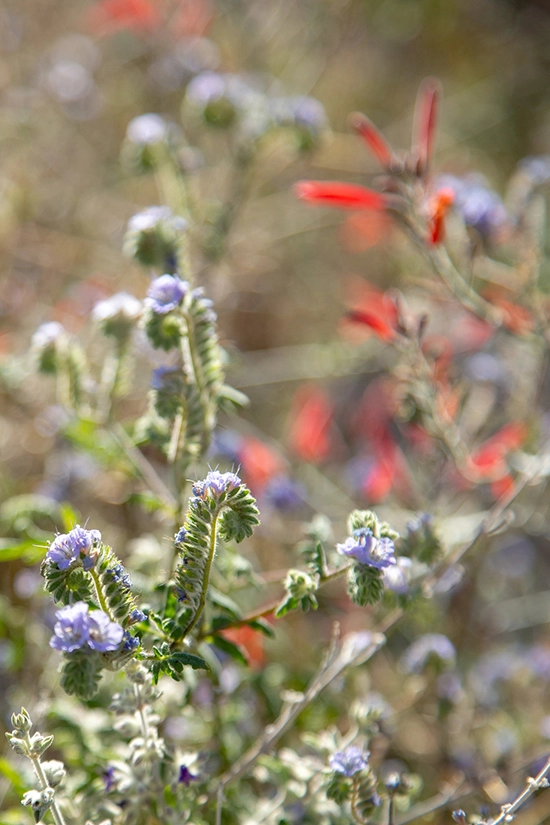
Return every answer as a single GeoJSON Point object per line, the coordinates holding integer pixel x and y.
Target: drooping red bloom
{"type": "Point", "coordinates": [488, 462]}
{"type": "Point", "coordinates": [372, 309]}
{"type": "Point", "coordinates": [311, 424]}
{"type": "Point", "coordinates": [109, 16]}
{"type": "Point", "coordinates": [340, 195]}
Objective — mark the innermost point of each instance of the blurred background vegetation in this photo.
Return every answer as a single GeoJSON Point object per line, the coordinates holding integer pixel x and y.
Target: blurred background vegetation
{"type": "Point", "coordinates": [71, 78]}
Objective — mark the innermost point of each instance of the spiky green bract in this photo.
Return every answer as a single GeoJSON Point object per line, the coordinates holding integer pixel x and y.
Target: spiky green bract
{"type": "Point", "coordinates": [201, 320]}
{"type": "Point", "coordinates": [115, 587]}
{"type": "Point", "coordinates": [359, 519]}
{"type": "Point", "coordinates": [67, 586]}
{"type": "Point", "coordinates": [163, 331]}
{"type": "Point", "coordinates": [81, 673]}
{"type": "Point", "coordinates": [365, 584]}
{"type": "Point", "coordinates": [233, 514]}
{"type": "Point", "coordinates": [364, 796]}
{"type": "Point", "coordinates": [300, 592]}
{"type": "Point", "coordinates": [104, 585]}
{"type": "Point", "coordinates": [338, 788]}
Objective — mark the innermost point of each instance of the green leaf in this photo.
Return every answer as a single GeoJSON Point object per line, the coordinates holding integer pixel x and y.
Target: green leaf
{"type": "Point", "coordinates": [196, 662]}
{"type": "Point", "coordinates": [225, 602]}
{"type": "Point", "coordinates": [29, 551]}
{"type": "Point", "coordinates": [7, 770]}
{"type": "Point", "coordinates": [233, 650]}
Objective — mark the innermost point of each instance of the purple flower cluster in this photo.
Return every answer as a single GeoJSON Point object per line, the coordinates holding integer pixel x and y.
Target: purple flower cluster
{"type": "Point", "coordinates": [349, 761]}
{"type": "Point", "coordinates": [216, 483]}
{"type": "Point", "coordinates": [165, 294]}
{"type": "Point", "coordinates": [78, 545]}
{"type": "Point", "coordinates": [430, 645]}
{"type": "Point", "coordinates": [367, 549]}
{"type": "Point", "coordinates": [77, 627]}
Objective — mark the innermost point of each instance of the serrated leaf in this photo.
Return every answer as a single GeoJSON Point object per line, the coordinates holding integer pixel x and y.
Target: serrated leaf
{"type": "Point", "coordinates": [196, 662]}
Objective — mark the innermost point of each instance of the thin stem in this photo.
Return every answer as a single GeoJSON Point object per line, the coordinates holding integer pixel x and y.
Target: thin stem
{"type": "Point", "coordinates": [143, 467]}
{"type": "Point", "coordinates": [37, 765]}
{"type": "Point", "coordinates": [507, 812]}
{"type": "Point", "coordinates": [110, 378]}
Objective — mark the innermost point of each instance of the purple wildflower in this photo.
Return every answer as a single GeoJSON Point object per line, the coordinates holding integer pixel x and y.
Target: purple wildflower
{"type": "Point", "coordinates": [137, 615]}
{"type": "Point", "coordinates": [78, 544]}
{"type": "Point", "coordinates": [220, 483]}
{"type": "Point", "coordinates": [367, 549]}
{"type": "Point", "coordinates": [424, 648]}
{"type": "Point", "coordinates": [185, 776]}
{"type": "Point", "coordinates": [350, 761]}
{"type": "Point", "coordinates": [130, 642]}
{"type": "Point", "coordinates": [284, 493]}
{"type": "Point", "coordinates": [147, 129]}
{"type": "Point", "coordinates": [76, 627]}
{"type": "Point", "coordinates": [103, 633]}
{"type": "Point", "coordinates": [180, 536]}
{"type": "Point", "coordinates": [165, 294]}
{"type": "Point", "coordinates": [109, 779]}
{"type": "Point", "coordinates": [71, 629]}
{"type": "Point", "coordinates": [205, 88]}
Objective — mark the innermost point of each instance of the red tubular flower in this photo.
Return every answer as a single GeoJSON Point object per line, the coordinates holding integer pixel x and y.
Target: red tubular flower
{"type": "Point", "coordinates": [340, 195]}
{"type": "Point", "coordinates": [375, 140]}
{"type": "Point", "coordinates": [310, 432]}
{"type": "Point", "coordinates": [516, 318]}
{"type": "Point", "coordinates": [373, 309]}
{"type": "Point", "coordinates": [250, 642]}
{"type": "Point", "coordinates": [425, 118]}
{"type": "Point", "coordinates": [439, 205]}
{"type": "Point", "coordinates": [259, 463]}
{"type": "Point", "coordinates": [489, 460]}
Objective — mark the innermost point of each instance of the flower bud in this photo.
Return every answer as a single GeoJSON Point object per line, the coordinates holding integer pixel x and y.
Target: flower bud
{"type": "Point", "coordinates": [39, 801]}
{"type": "Point", "coordinates": [54, 772]}
{"type": "Point", "coordinates": [39, 744]}
{"type": "Point", "coordinates": [21, 721]}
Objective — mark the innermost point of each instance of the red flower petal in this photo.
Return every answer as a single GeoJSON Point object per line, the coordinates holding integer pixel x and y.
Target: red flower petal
{"type": "Point", "coordinates": [259, 463]}
{"type": "Point", "coordinates": [374, 139]}
{"type": "Point", "coordinates": [340, 195]}
{"type": "Point", "coordinates": [109, 16]}
{"type": "Point", "coordinates": [311, 425]}
{"type": "Point", "coordinates": [377, 323]}
{"type": "Point", "coordinates": [379, 481]}
{"type": "Point", "coordinates": [425, 121]}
